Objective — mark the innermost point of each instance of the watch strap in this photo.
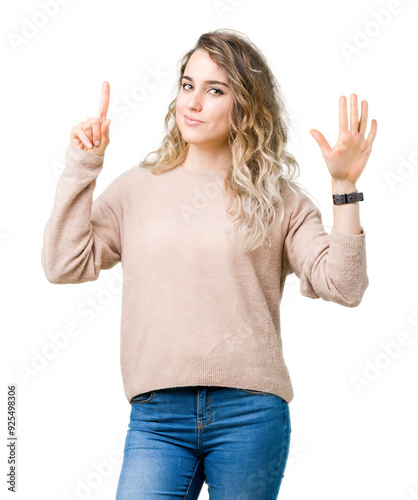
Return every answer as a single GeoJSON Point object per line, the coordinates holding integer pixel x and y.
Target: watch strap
{"type": "Point", "coordinates": [340, 199]}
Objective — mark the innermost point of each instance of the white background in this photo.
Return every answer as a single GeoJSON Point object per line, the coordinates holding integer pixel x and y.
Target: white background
{"type": "Point", "coordinates": [347, 442]}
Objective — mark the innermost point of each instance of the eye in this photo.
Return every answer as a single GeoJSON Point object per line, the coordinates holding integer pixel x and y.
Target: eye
{"type": "Point", "coordinates": [220, 92]}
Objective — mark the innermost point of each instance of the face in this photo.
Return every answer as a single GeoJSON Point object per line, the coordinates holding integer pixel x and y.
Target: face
{"type": "Point", "coordinates": [208, 102]}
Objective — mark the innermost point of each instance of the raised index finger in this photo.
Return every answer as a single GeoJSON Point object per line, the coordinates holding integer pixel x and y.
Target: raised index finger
{"type": "Point", "coordinates": [104, 101]}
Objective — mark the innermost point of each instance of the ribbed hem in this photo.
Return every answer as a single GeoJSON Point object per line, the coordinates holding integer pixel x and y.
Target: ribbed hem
{"type": "Point", "coordinates": [224, 370]}
{"type": "Point", "coordinates": [82, 163]}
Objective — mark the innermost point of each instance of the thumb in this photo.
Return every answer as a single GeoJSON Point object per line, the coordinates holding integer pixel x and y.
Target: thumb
{"type": "Point", "coordinates": [320, 139]}
{"type": "Point", "coordinates": [105, 128]}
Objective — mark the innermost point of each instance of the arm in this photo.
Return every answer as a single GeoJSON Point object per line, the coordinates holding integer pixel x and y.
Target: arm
{"type": "Point", "coordinates": [81, 237]}
{"type": "Point", "coordinates": [332, 267]}
{"type": "Point", "coordinates": [347, 215]}
{"type": "Point", "coordinates": [347, 160]}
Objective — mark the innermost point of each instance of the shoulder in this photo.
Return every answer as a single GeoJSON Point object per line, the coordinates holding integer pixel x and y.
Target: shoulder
{"type": "Point", "coordinates": [130, 183]}
{"type": "Point", "coordinates": [296, 199]}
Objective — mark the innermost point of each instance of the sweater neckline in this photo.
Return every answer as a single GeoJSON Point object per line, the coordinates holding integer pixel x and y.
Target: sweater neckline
{"type": "Point", "coordinates": [199, 173]}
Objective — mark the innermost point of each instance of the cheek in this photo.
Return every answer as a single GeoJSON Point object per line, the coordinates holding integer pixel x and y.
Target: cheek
{"type": "Point", "coordinates": [181, 98]}
{"type": "Point", "coordinates": [225, 112]}
{"type": "Point", "coordinates": [178, 105]}
{"type": "Point", "coordinates": [223, 118]}
{"type": "Point", "coordinates": [178, 112]}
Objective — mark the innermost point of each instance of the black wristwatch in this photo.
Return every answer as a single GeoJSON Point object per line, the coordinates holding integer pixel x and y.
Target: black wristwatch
{"type": "Point", "coordinates": [340, 199]}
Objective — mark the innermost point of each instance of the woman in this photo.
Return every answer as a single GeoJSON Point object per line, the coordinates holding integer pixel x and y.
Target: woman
{"type": "Point", "coordinates": [207, 233]}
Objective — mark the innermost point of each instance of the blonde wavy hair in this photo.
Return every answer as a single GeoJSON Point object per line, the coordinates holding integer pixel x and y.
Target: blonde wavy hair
{"type": "Point", "coordinates": [261, 166]}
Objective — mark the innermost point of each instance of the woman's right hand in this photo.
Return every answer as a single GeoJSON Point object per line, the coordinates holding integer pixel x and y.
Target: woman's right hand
{"type": "Point", "coordinates": [85, 134]}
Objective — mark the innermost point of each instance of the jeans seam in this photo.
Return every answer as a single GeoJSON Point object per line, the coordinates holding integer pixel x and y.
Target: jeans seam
{"type": "Point", "coordinates": [194, 473]}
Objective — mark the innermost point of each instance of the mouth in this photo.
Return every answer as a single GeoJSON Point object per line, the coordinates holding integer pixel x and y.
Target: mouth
{"type": "Point", "coordinates": [191, 119]}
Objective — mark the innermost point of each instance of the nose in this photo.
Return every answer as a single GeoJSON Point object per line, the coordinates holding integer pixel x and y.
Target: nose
{"type": "Point", "coordinates": [194, 102]}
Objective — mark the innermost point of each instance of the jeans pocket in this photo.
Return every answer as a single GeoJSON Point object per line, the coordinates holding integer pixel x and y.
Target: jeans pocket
{"type": "Point", "coordinates": [251, 391]}
{"type": "Point", "coordinates": [286, 415]}
{"type": "Point", "coordinates": [145, 397]}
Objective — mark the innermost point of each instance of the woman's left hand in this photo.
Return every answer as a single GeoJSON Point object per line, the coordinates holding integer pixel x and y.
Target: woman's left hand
{"type": "Point", "coordinates": [347, 159]}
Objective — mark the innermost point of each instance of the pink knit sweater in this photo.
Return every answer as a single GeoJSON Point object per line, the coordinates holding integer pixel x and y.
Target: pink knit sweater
{"type": "Point", "coordinates": [196, 308]}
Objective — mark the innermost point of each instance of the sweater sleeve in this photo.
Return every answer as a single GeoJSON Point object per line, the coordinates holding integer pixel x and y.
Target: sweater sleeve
{"type": "Point", "coordinates": [81, 237]}
{"type": "Point", "coordinates": [330, 266]}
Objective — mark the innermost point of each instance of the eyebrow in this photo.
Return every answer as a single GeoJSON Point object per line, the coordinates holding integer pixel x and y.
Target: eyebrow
{"type": "Point", "coordinates": [207, 81]}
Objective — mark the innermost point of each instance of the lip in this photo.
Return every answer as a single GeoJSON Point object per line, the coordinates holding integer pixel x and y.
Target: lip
{"type": "Point", "coordinates": [192, 121]}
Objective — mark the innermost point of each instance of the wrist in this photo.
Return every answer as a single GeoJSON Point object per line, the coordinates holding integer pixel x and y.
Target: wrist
{"type": "Point", "coordinates": [342, 187]}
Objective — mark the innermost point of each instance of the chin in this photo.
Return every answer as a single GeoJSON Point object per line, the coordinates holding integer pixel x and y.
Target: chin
{"type": "Point", "coordinates": [191, 138]}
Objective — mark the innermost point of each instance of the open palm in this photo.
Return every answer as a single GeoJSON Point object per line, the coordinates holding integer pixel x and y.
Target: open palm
{"type": "Point", "coordinates": [347, 159]}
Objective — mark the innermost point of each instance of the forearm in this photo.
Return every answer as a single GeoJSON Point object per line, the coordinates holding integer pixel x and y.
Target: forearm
{"type": "Point", "coordinates": [347, 215]}
{"type": "Point", "coordinates": [79, 235]}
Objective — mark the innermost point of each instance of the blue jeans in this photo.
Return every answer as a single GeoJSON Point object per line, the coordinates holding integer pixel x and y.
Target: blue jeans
{"type": "Point", "coordinates": [235, 440]}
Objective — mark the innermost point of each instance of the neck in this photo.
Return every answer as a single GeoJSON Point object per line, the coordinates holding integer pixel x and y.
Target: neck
{"type": "Point", "coordinates": [207, 159]}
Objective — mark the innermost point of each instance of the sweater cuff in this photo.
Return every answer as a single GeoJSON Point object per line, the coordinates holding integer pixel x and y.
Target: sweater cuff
{"type": "Point", "coordinates": [349, 247]}
{"type": "Point", "coordinates": [82, 163]}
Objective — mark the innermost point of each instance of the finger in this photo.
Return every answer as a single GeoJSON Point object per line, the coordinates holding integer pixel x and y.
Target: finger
{"type": "Point", "coordinates": [87, 128]}
{"type": "Point", "coordinates": [363, 118]}
{"type": "Point", "coordinates": [105, 128]}
{"type": "Point", "coordinates": [353, 113]}
{"type": "Point", "coordinates": [83, 137]}
{"type": "Point", "coordinates": [323, 143]}
{"type": "Point", "coordinates": [372, 133]}
{"type": "Point", "coordinates": [104, 101]}
{"type": "Point", "coordinates": [343, 114]}
{"type": "Point", "coordinates": [97, 136]}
